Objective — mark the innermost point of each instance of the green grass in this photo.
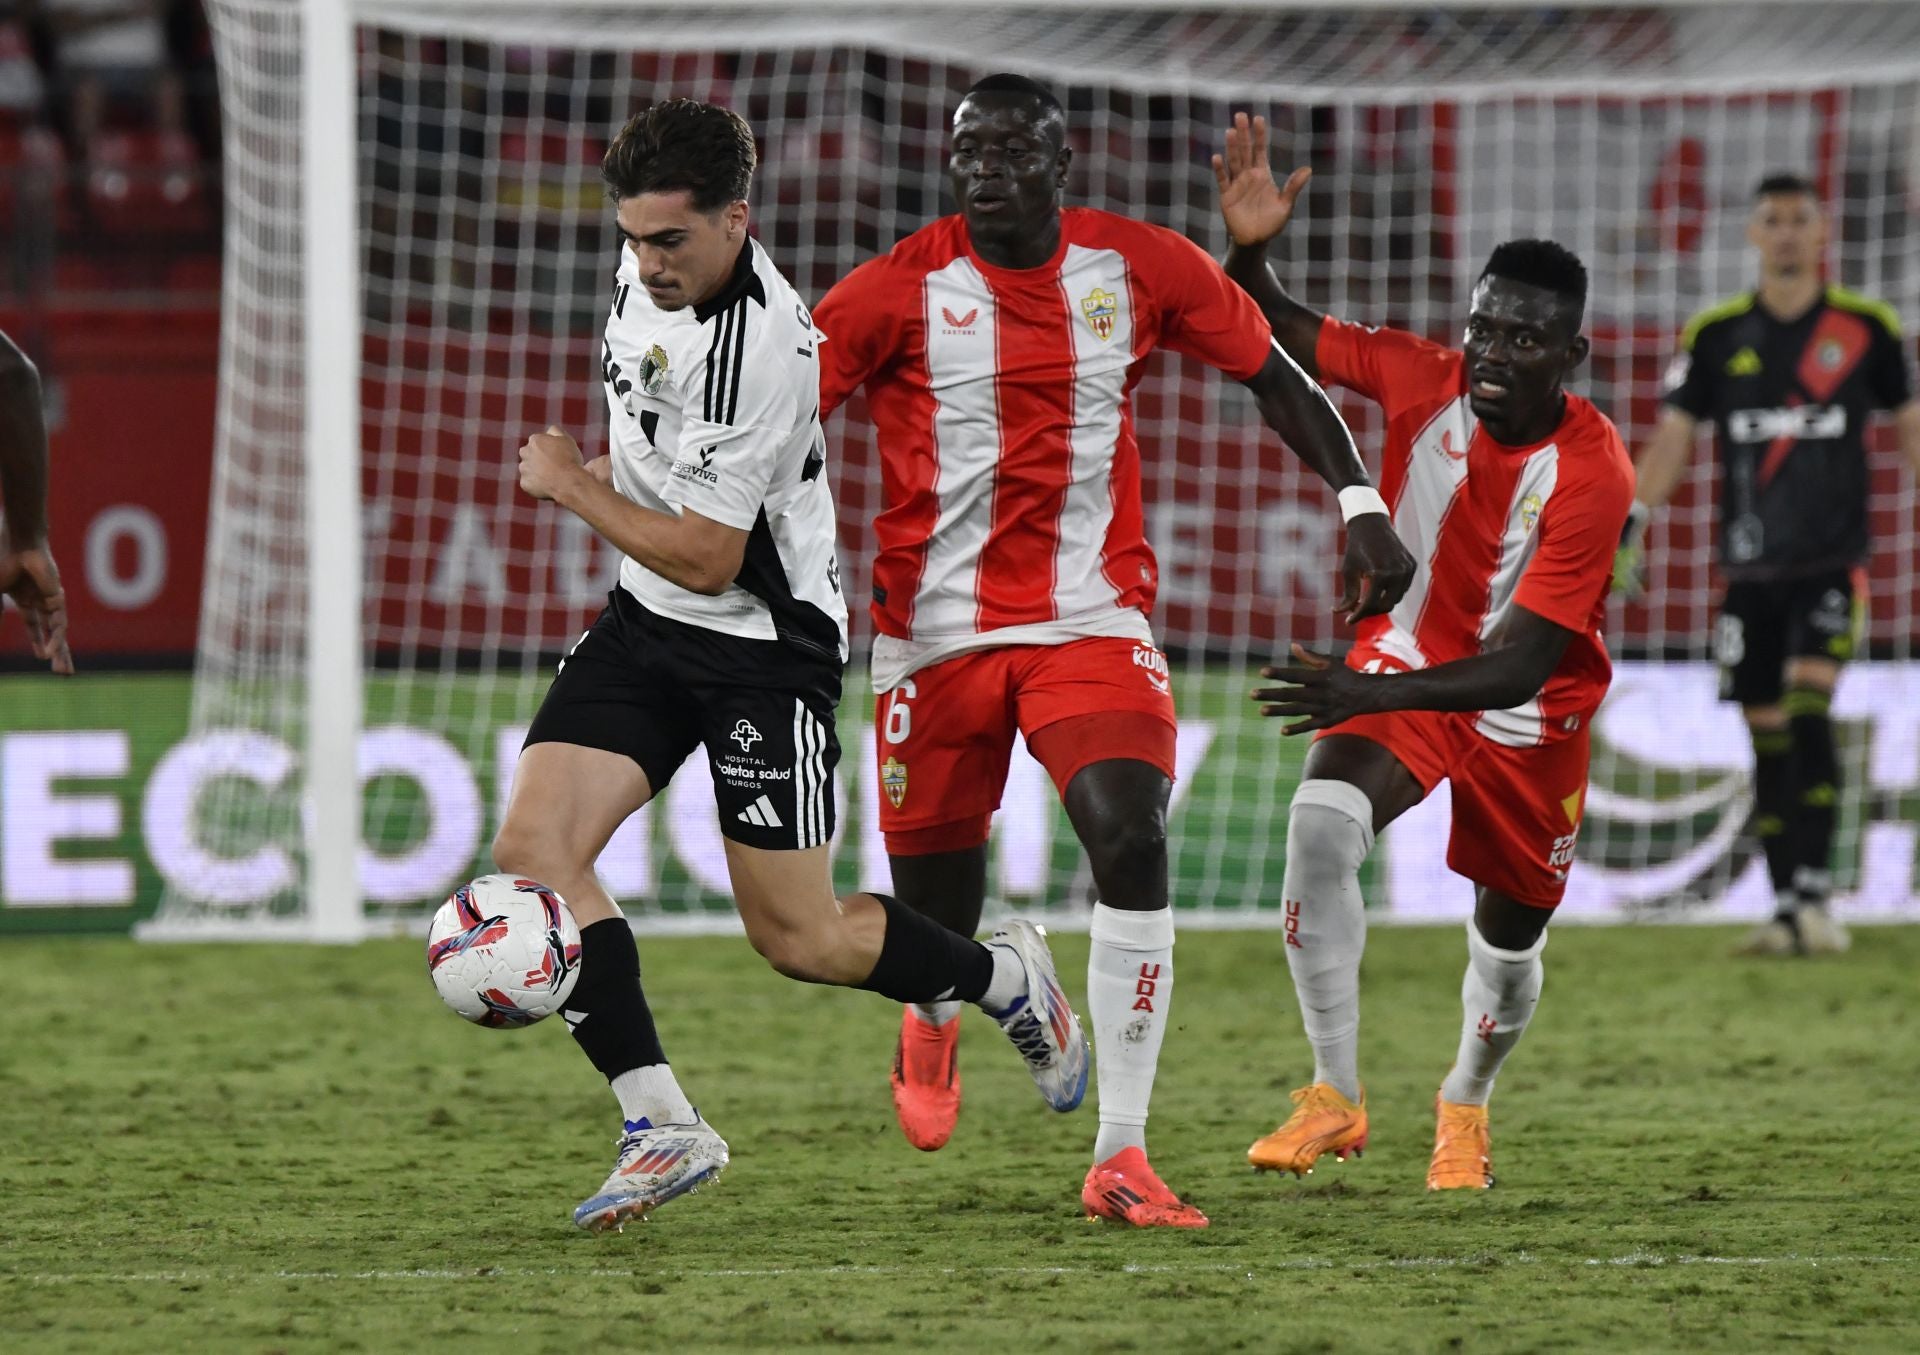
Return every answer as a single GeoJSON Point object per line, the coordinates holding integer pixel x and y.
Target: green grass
{"type": "Point", "coordinates": [273, 1149]}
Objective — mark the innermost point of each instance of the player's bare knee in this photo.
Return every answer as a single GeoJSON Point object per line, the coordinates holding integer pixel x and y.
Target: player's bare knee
{"type": "Point", "coordinates": [529, 854]}
{"type": "Point", "coordinates": [1130, 847]}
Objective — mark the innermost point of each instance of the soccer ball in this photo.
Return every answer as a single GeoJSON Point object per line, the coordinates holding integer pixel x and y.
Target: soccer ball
{"type": "Point", "coordinates": [504, 951]}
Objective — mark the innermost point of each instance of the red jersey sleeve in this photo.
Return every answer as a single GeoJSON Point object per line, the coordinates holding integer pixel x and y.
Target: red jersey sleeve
{"type": "Point", "coordinates": [1203, 312]}
{"type": "Point", "coordinates": [1579, 533]}
{"type": "Point", "coordinates": [860, 316]}
{"type": "Point", "coordinates": [1389, 366]}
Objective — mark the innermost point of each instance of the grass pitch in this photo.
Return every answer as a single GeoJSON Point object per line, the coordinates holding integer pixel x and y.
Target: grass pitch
{"type": "Point", "coordinates": [280, 1149]}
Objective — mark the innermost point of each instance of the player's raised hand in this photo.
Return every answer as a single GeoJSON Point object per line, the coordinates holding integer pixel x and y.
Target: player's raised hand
{"type": "Point", "coordinates": [1318, 687]}
{"type": "Point", "coordinates": [1378, 568]}
{"type": "Point", "coordinates": [601, 469]}
{"type": "Point", "coordinates": [32, 580]}
{"type": "Point", "coordinates": [547, 461]}
{"type": "Point", "coordinates": [1254, 207]}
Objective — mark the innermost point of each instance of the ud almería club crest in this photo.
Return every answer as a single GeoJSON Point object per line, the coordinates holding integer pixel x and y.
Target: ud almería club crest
{"type": "Point", "coordinates": [1101, 308]}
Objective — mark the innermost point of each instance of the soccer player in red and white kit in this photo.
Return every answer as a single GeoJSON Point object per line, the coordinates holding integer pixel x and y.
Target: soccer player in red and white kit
{"type": "Point", "coordinates": [999, 348]}
{"type": "Point", "coordinates": [1512, 494]}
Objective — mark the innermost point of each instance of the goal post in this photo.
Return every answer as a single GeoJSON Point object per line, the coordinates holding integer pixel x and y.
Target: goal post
{"type": "Point", "coordinates": [330, 249]}
{"type": "Point", "coordinates": [417, 256]}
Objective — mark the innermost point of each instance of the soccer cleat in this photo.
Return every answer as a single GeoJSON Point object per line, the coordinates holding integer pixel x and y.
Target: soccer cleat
{"type": "Point", "coordinates": [1126, 1189]}
{"type": "Point", "coordinates": [1819, 933]}
{"type": "Point", "coordinates": [1775, 936]}
{"type": "Point", "coordinates": [1461, 1148]}
{"type": "Point", "coordinates": [1323, 1121]}
{"type": "Point", "coordinates": [1041, 1023]}
{"type": "Point", "coordinates": [926, 1080]}
{"type": "Point", "coordinates": [657, 1164]}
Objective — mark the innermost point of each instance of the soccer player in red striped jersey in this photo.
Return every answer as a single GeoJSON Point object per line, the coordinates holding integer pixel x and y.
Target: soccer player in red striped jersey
{"type": "Point", "coordinates": [999, 348]}
{"type": "Point", "coordinates": [1512, 494]}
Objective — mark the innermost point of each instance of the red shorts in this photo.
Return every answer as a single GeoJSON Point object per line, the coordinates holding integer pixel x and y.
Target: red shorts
{"type": "Point", "coordinates": [1516, 811]}
{"type": "Point", "coordinates": [945, 735]}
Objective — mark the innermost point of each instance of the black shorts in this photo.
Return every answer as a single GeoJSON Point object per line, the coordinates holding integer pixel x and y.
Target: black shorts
{"type": "Point", "coordinates": [653, 689]}
{"type": "Point", "coordinates": [1764, 623]}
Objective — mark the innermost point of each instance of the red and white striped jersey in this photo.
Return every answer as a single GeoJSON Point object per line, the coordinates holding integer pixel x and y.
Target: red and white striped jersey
{"type": "Point", "coordinates": [1493, 527]}
{"type": "Point", "coordinates": [1002, 402]}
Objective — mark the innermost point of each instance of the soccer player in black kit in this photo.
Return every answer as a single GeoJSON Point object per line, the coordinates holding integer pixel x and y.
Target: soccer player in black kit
{"type": "Point", "coordinates": [1788, 374]}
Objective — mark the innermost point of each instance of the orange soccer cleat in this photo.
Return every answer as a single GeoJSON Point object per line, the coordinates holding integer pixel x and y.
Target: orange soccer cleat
{"type": "Point", "coordinates": [1461, 1148]}
{"type": "Point", "coordinates": [1323, 1121]}
{"type": "Point", "coordinates": [1126, 1189]}
{"type": "Point", "coordinates": [926, 1080]}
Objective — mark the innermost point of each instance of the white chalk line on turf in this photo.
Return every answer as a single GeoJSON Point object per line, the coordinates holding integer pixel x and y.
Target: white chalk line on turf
{"type": "Point", "coordinates": [1487, 1262]}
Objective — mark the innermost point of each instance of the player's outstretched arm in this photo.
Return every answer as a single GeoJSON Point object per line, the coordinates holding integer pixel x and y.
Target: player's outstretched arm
{"type": "Point", "coordinates": [1664, 459]}
{"type": "Point", "coordinates": [1325, 692]}
{"type": "Point", "coordinates": [1256, 209]}
{"type": "Point", "coordinates": [1906, 420]}
{"type": "Point", "coordinates": [694, 551]}
{"type": "Point", "coordinates": [1378, 568]}
{"type": "Point", "coordinates": [28, 574]}
{"type": "Point", "coordinates": [1657, 474]}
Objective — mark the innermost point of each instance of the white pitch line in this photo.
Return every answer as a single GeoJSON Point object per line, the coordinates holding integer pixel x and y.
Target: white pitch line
{"type": "Point", "coordinates": [1630, 1259]}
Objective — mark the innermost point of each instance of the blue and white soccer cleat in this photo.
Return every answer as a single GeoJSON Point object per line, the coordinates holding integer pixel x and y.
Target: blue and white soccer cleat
{"type": "Point", "coordinates": [656, 1164]}
{"type": "Point", "coordinates": [1041, 1022]}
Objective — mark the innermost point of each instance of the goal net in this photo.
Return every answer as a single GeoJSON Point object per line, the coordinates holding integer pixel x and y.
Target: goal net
{"type": "Point", "coordinates": [478, 277]}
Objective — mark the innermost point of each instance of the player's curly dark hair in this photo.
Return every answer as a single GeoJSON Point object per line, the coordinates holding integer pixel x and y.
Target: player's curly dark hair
{"type": "Point", "coordinates": [1544, 264]}
{"type": "Point", "coordinates": [682, 143]}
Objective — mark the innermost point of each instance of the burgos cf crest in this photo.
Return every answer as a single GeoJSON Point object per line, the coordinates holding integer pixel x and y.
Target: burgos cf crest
{"type": "Point", "coordinates": [1101, 308]}
{"type": "Point", "coordinates": [653, 370]}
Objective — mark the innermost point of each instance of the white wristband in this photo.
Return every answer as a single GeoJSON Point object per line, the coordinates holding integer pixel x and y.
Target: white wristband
{"type": "Point", "coordinates": [1358, 499]}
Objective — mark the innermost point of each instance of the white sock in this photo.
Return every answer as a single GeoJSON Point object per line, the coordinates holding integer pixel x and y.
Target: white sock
{"type": "Point", "coordinates": [1009, 982]}
{"type": "Point", "coordinates": [1329, 833]}
{"type": "Point", "coordinates": [938, 1013]}
{"type": "Point", "coordinates": [652, 1094]}
{"type": "Point", "coordinates": [1129, 986]}
{"type": "Point", "coordinates": [1497, 999]}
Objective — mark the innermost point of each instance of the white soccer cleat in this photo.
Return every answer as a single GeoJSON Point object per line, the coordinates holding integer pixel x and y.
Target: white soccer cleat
{"type": "Point", "coordinates": [1041, 1022]}
{"type": "Point", "coordinates": [656, 1165]}
{"type": "Point", "coordinates": [1819, 933]}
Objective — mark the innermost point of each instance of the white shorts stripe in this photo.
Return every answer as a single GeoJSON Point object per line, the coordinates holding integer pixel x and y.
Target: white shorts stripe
{"type": "Point", "coordinates": [802, 807]}
{"type": "Point", "coordinates": [817, 789]}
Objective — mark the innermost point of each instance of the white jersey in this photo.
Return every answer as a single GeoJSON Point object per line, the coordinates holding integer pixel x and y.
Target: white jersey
{"type": "Point", "coordinates": [716, 407]}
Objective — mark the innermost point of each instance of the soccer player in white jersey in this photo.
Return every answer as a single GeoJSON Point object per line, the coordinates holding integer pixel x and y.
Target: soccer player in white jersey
{"type": "Point", "coordinates": [999, 348]}
{"type": "Point", "coordinates": [727, 631]}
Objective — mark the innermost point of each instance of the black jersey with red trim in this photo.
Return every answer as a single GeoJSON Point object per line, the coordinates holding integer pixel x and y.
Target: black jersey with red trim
{"type": "Point", "coordinates": [1790, 401]}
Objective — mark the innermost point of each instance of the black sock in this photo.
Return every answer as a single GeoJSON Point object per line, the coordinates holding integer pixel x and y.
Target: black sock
{"type": "Point", "coordinates": [921, 961]}
{"type": "Point", "coordinates": [1816, 793]}
{"type": "Point", "coordinates": [1772, 806]}
{"type": "Point", "coordinates": [607, 1011]}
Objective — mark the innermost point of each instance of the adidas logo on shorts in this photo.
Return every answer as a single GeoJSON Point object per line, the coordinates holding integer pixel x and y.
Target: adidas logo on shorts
{"type": "Point", "coordinates": [761, 814]}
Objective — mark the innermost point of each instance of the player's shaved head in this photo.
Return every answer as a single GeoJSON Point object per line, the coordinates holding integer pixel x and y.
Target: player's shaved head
{"type": "Point", "coordinates": [1008, 167]}
{"type": "Point", "coordinates": [1050, 117]}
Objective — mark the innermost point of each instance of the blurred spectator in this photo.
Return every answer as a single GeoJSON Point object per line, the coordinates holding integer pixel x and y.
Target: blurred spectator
{"type": "Point", "coordinates": [23, 92]}
{"type": "Point", "coordinates": [114, 51]}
